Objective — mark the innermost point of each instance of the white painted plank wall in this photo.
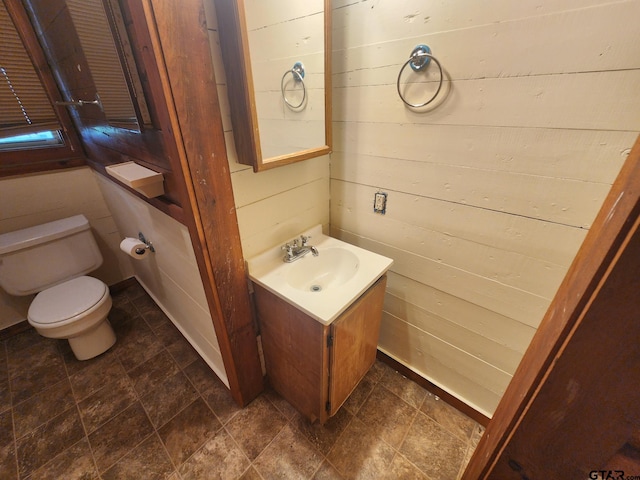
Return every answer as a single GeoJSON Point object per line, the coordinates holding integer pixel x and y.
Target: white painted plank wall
{"type": "Point", "coordinates": [274, 205]}
{"type": "Point", "coordinates": [492, 192]}
{"type": "Point", "coordinates": [170, 275]}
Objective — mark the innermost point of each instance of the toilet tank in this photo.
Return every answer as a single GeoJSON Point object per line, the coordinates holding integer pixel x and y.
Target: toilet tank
{"type": "Point", "coordinates": [36, 258]}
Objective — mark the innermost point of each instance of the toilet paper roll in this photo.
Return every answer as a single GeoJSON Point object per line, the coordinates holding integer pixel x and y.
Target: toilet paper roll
{"type": "Point", "coordinates": [134, 248]}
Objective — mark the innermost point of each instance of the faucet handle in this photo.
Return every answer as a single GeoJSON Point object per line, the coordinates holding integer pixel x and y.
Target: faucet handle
{"type": "Point", "coordinates": [304, 239]}
{"type": "Point", "coordinates": [288, 247]}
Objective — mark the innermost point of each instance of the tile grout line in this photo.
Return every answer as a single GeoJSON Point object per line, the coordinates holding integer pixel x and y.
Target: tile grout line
{"type": "Point", "coordinates": [100, 474]}
{"type": "Point", "coordinates": [139, 399]}
{"type": "Point", "coordinates": [84, 427]}
{"type": "Point", "coordinates": [10, 410]}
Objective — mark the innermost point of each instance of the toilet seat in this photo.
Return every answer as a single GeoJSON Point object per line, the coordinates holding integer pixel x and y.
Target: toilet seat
{"type": "Point", "coordinates": [63, 303]}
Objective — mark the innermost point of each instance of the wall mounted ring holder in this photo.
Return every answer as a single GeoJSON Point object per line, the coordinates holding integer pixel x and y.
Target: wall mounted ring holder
{"type": "Point", "coordinates": [419, 60]}
{"type": "Point", "coordinates": [297, 72]}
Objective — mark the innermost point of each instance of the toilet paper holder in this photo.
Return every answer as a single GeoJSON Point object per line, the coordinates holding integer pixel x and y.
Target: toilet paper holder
{"type": "Point", "coordinates": [149, 245]}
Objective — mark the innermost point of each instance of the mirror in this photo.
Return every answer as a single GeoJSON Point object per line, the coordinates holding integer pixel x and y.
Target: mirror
{"type": "Point", "coordinates": [277, 62]}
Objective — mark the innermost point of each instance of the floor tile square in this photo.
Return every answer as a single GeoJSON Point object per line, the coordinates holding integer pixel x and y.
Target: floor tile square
{"type": "Point", "coordinates": [169, 398]}
{"type": "Point", "coordinates": [387, 415]}
{"type": "Point", "coordinates": [98, 372]}
{"type": "Point", "coordinates": [289, 455]}
{"type": "Point", "coordinates": [360, 454]}
{"type": "Point", "coordinates": [219, 400]}
{"type": "Point", "coordinates": [182, 352]}
{"type": "Point", "coordinates": [119, 436]}
{"type": "Point", "coordinates": [75, 462]}
{"type": "Point", "coordinates": [148, 375]}
{"type": "Point", "coordinates": [220, 457]}
{"type": "Point", "coordinates": [450, 418]}
{"type": "Point", "coordinates": [42, 444]}
{"type": "Point", "coordinates": [406, 389]}
{"type": "Point", "coordinates": [42, 407]}
{"type": "Point", "coordinates": [323, 437]}
{"type": "Point", "coordinates": [106, 403]}
{"type": "Point", "coordinates": [147, 461]}
{"type": "Point", "coordinates": [433, 449]}
{"type": "Point", "coordinates": [189, 430]}
{"type": "Point", "coordinates": [254, 427]}
{"type": "Point", "coordinates": [202, 376]}
{"type": "Point", "coordinates": [30, 381]}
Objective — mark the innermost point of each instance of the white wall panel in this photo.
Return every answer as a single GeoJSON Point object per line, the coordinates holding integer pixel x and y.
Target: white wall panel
{"type": "Point", "coordinates": [490, 193]}
{"type": "Point", "coordinates": [170, 275]}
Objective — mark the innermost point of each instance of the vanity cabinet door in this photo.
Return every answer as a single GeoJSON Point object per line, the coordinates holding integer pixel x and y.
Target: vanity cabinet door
{"type": "Point", "coordinates": [295, 353]}
{"type": "Point", "coordinates": [315, 367]}
{"type": "Point", "coordinates": [354, 344]}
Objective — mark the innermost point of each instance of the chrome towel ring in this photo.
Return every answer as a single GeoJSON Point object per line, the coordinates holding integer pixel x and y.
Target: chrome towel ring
{"type": "Point", "coordinates": [297, 72]}
{"type": "Point", "coordinates": [419, 60]}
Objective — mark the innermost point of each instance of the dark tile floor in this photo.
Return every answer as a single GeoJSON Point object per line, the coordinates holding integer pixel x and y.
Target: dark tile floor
{"type": "Point", "coordinates": [150, 408]}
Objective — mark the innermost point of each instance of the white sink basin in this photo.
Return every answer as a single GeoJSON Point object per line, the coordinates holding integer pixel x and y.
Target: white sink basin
{"type": "Point", "coordinates": [322, 286]}
{"type": "Point", "coordinates": [331, 269]}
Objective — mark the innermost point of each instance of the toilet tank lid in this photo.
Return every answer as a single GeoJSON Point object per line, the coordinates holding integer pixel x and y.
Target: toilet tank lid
{"type": "Point", "coordinates": [28, 237]}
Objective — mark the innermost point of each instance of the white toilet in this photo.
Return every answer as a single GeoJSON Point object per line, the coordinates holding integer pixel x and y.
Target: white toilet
{"type": "Point", "coordinates": [53, 259]}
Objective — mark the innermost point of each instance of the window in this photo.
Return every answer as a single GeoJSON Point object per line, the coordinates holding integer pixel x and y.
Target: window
{"type": "Point", "coordinates": [43, 139]}
{"type": "Point", "coordinates": [24, 103]}
{"type": "Point", "coordinates": [31, 135]}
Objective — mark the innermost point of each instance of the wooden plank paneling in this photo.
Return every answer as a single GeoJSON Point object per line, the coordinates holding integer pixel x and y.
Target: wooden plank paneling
{"type": "Point", "coordinates": [171, 276]}
{"type": "Point", "coordinates": [358, 23]}
{"type": "Point", "coordinates": [475, 344]}
{"type": "Point", "coordinates": [432, 349]}
{"type": "Point", "coordinates": [501, 330]}
{"type": "Point", "coordinates": [480, 50]}
{"type": "Point", "coordinates": [467, 254]}
{"type": "Point", "coordinates": [508, 301]}
{"type": "Point", "coordinates": [558, 153]}
{"type": "Point", "coordinates": [491, 193]}
{"type": "Point", "coordinates": [443, 364]}
{"type": "Point", "coordinates": [250, 188]}
{"type": "Point", "coordinates": [556, 101]}
{"type": "Point", "coordinates": [274, 219]}
{"type": "Point", "coordinates": [511, 233]}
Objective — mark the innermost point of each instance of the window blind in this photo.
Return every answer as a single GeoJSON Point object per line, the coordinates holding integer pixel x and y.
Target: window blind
{"type": "Point", "coordinates": [90, 21]}
{"type": "Point", "coordinates": [24, 104]}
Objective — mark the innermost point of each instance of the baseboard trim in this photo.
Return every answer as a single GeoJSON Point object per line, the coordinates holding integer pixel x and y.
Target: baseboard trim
{"type": "Point", "coordinates": [426, 384]}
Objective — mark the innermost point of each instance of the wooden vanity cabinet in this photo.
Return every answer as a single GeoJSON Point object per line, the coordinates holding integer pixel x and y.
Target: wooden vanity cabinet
{"type": "Point", "coordinates": [315, 367]}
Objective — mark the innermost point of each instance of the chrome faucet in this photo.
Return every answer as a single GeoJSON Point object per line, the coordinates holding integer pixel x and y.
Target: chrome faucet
{"type": "Point", "coordinates": [295, 251]}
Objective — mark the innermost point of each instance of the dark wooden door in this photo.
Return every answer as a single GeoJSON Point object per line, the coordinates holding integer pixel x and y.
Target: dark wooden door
{"type": "Point", "coordinates": [587, 412]}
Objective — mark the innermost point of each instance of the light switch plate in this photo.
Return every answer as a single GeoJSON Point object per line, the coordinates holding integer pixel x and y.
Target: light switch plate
{"type": "Point", "coordinates": [380, 203]}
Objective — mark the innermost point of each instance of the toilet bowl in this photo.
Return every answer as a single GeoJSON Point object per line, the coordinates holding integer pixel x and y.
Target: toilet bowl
{"type": "Point", "coordinates": [52, 260]}
{"type": "Point", "coordinates": [76, 310]}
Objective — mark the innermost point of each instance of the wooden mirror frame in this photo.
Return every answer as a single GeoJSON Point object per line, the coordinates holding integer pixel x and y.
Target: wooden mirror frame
{"type": "Point", "coordinates": [234, 44]}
